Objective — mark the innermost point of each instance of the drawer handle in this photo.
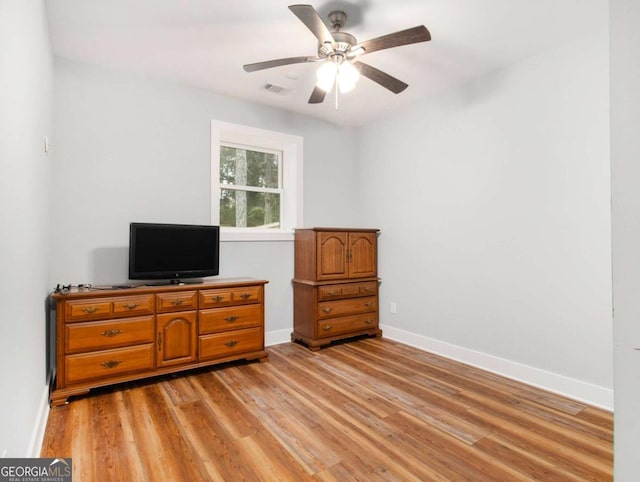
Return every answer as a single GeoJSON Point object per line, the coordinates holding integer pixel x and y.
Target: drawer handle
{"type": "Point", "coordinates": [131, 306]}
{"type": "Point", "coordinates": [217, 298]}
{"type": "Point", "coordinates": [111, 363]}
{"type": "Point", "coordinates": [331, 293]}
{"type": "Point", "coordinates": [231, 343]}
{"type": "Point", "coordinates": [90, 309]}
{"type": "Point", "coordinates": [367, 289]}
{"type": "Point", "coordinates": [327, 309]}
{"type": "Point", "coordinates": [368, 304]}
{"type": "Point", "coordinates": [177, 302]}
{"type": "Point", "coordinates": [159, 341]}
{"type": "Point", "coordinates": [231, 318]}
{"type": "Point", "coordinates": [326, 327]}
{"type": "Point", "coordinates": [245, 296]}
{"type": "Point", "coordinates": [112, 332]}
{"type": "Point", "coordinates": [368, 322]}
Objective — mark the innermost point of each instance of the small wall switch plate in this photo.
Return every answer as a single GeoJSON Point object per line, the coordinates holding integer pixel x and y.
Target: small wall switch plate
{"type": "Point", "coordinates": [393, 306]}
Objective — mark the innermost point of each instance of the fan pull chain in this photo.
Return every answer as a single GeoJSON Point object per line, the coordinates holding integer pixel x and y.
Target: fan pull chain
{"type": "Point", "coordinates": [336, 89]}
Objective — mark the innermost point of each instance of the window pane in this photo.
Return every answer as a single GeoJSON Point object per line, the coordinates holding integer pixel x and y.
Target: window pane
{"type": "Point", "coordinates": [244, 167]}
{"type": "Point", "coordinates": [247, 209]}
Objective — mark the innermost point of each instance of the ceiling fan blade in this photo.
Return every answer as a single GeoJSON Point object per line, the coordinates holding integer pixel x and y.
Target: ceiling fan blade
{"type": "Point", "coordinates": [278, 62]}
{"type": "Point", "coordinates": [397, 39]}
{"type": "Point", "coordinates": [317, 96]}
{"type": "Point", "coordinates": [308, 16]}
{"type": "Point", "coordinates": [378, 76]}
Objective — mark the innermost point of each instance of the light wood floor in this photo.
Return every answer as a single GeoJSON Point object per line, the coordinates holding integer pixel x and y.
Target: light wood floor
{"type": "Point", "coordinates": [368, 410]}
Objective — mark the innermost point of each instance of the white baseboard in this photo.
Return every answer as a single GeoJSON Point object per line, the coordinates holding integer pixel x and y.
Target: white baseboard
{"type": "Point", "coordinates": [40, 425]}
{"type": "Point", "coordinates": [576, 389]}
{"type": "Point", "coordinates": [276, 337]}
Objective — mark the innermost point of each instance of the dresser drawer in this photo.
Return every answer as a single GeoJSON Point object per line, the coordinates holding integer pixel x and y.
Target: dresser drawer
{"type": "Point", "coordinates": [88, 309]}
{"type": "Point", "coordinates": [229, 318]}
{"type": "Point", "coordinates": [347, 324]}
{"type": "Point", "coordinates": [176, 301]}
{"type": "Point", "coordinates": [95, 335]}
{"type": "Point", "coordinates": [133, 305]}
{"type": "Point", "coordinates": [231, 342]}
{"type": "Point", "coordinates": [330, 309]}
{"type": "Point", "coordinates": [108, 363]}
{"type": "Point", "coordinates": [346, 290]}
{"type": "Point", "coordinates": [222, 297]}
{"type": "Point", "coordinates": [101, 308]}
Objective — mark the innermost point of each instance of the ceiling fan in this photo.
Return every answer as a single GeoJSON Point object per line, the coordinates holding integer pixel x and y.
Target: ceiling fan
{"type": "Point", "coordinates": [339, 50]}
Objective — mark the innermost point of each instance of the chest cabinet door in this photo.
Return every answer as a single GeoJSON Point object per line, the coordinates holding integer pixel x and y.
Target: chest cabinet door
{"type": "Point", "coordinates": [362, 255]}
{"type": "Point", "coordinates": [332, 259]}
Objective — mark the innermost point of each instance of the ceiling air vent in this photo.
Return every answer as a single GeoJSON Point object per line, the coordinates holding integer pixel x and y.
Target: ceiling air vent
{"type": "Point", "coordinates": [275, 89]}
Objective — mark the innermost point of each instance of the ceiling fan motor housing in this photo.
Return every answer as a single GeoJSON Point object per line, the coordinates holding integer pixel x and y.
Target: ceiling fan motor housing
{"type": "Point", "coordinates": [342, 44]}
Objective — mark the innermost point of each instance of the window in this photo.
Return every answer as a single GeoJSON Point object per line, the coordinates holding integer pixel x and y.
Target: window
{"type": "Point", "coordinates": [256, 182]}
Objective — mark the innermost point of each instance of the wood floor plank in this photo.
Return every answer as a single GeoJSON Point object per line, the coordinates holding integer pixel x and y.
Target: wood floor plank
{"type": "Point", "coordinates": [324, 377]}
{"type": "Point", "coordinates": [236, 418]}
{"type": "Point", "coordinates": [478, 376]}
{"type": "Point", "coordinates": [368, 410]}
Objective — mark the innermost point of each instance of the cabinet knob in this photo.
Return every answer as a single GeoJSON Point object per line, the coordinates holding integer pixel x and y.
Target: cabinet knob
{"type": "Point", "coordinates": [231, 343]}
{"type": "Point", "coordinates": [130, 306]}
{"type": "Point", "coordinates": [111, 333]}
{"type": "Point", "coordinates": [326, 327]}
{"type": "Point", "coordinates": [217, 298]}
{"type": "Point", "coordinates": [90, 309]}
{"type": "Point", "coordinates": [245, 296]}
{"type": "Point", "coordinates": [231, 318]}
{"type": "Point", "coordinates": [111, 363]}
{"type": "Point", "coordinates": [326, 309]}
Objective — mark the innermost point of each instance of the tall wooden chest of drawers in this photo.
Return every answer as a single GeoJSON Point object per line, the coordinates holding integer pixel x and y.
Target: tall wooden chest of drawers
{"type": "Point", "coordinates": [107, 336]}
{"type": "Point", "coordinates": [335, 285]}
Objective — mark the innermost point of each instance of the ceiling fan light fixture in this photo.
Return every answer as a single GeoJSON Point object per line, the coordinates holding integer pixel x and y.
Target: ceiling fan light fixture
{"type": "Point", "coordinates": [327, 75]}
{"type": "Point", "coordinates": [348, 76]}
{"type": "Point", "coordinates": [345, 73]}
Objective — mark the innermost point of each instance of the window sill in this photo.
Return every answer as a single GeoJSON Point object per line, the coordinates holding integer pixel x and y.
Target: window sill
{"type": "Point", "coordinates": [257, 235]}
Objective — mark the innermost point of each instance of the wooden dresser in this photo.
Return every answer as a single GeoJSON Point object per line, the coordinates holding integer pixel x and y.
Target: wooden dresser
{"type": "Point", "coordinates": [335, 289]}
{"type": "Point", "coordinates": [107, 336]}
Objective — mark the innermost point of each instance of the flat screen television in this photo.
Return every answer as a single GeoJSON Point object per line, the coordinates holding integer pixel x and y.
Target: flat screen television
{"type": "Point", "coordinates": [173, 252]}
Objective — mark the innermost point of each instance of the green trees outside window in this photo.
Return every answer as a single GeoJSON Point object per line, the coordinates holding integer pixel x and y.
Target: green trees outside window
{"type": "Point", "coordinates": [250, 187]}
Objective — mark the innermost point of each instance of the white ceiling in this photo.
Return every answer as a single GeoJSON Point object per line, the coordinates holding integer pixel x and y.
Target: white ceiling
{"type": "Point", "coordinates": [204, 43]}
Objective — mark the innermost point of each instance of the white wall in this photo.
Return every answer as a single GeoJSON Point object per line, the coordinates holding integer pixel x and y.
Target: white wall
{"type": "Point", "coordinates": [26, 81]}
{"type": "Point", "coordinates": [136, 149]}
{"type": "Point", "coordinates": [493, 200]}
{"type": "Point", "coordinates": [625, 186]}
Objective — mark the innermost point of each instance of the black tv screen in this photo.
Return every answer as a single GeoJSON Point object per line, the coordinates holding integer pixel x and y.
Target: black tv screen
{"type": "Point", "coordinates": [173, 251]}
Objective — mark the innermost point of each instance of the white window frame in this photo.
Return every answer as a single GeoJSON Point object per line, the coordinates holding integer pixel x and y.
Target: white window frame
{"type": "Point", "coordinates": [291, 172]}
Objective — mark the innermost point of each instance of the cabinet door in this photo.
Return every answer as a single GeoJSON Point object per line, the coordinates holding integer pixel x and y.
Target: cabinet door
{"type": "Point", "coordinates": [176, 338]}
{"type": "Point", "coordinates": [362, 255]}
{"type": "Point", "coordinates": [332, 255]}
